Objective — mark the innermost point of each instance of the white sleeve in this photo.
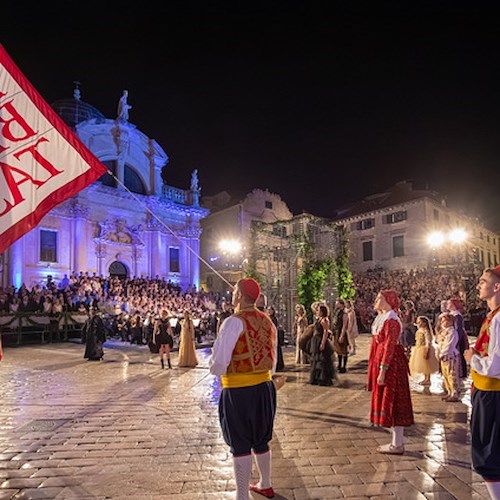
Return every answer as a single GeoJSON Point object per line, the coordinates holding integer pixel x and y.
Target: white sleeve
{"type": "Point", "coordinates": [489, 366]}
{"type": "Point", "coordinates": [223, 347]}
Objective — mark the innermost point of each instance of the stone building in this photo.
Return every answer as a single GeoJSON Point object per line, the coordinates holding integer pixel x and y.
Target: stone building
{"type": "Point", "coordinates": [227, 232]}
{"type": "Point", "coordinates": [128, 223]}
{"type": "Point", "coordinates": [395, 229]}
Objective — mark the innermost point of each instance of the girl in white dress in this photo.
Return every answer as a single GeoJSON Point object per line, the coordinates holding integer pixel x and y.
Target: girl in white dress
{"type": "Point", "coordinates": [423, 356]}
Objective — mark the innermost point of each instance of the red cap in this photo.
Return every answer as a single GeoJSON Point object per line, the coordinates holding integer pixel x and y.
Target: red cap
{"type": "Point", "coordinates": [496, 271]}
{"type": "Point", "coordinates": [250, 288]}
{"type": "Point", "coordinates": [457, 304]}
{"type": "Point", "coordinates": [391, 298]}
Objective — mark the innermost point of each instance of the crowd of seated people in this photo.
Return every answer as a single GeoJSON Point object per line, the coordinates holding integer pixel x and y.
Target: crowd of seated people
{"type": "Point", "coordinates": [144, 298]}
{"type": "Point", "coordinates": [119, 300]}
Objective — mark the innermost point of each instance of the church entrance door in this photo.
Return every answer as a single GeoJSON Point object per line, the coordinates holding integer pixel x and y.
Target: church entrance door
{"type": "Point", "coordinates": [118, 269]}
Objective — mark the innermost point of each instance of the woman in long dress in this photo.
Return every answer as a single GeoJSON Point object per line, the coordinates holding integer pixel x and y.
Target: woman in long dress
{"type": "Point", "coordinates": [187, 351]}
{"type": "Point", "coordinates": [322, 369]}
{"type": "Point", "coordinates": [391, 404]}
{"type": "Point", "coordinates": [352, 327]}
{"type": "Point", "coordinates": [423, 356]}
{"type": "Point", "coordinates": [299, 327]}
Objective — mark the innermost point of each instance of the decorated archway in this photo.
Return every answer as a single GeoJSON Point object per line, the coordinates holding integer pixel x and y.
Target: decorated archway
{"type": "Point", "coordinates": [118, 269]}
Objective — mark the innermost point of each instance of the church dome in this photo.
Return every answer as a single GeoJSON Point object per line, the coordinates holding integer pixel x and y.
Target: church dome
{"type": "Point", "coordinates": [74, 111]}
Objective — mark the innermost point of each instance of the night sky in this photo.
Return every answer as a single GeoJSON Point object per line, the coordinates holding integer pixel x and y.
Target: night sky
{"type": "Point", "coordinates": [319, 102]}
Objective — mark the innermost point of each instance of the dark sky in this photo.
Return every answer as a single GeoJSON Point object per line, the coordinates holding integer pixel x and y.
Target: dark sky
{"type": "Point", "coordinates": [322, 102]}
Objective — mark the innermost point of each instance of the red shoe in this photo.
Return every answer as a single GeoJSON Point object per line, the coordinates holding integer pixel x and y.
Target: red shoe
{"type": "Point", "coordinates": [266, 492]}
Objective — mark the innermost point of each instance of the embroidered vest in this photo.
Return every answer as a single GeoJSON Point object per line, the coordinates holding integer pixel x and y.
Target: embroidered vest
{"type": "Point", "coordinates": [254, 353]}
{"type": "Point", "coordinates": [479, 381]}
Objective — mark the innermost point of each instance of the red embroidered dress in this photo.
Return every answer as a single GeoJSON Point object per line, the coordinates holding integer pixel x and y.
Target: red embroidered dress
{"type": "Point", "coordinates": [391, 403]}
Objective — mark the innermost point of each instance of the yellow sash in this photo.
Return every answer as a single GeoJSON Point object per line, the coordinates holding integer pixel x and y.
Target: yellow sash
{"type": "Point", "coordinates": [232, 380]}
{"type": "Point", "coordinates": [484, 383]}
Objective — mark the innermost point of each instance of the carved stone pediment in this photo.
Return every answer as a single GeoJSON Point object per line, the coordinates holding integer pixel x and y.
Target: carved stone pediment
{"type": "Point", "coordinates": [117, 231]}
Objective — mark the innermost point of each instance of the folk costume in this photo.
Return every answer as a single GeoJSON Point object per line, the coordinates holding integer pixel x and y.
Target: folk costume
{"type": "Point", "coordinates": [244, 355]}
{"type": "Point", "coordinates": [463, 341]}
{"type": "Point", "coordinates": [449, 357]}
{"type": "Point", "coordinates": [485, 373]}
{"type": "Point", "coordinates": [423, 356]}
{"type": "Point", "coordinates": [391, 404]}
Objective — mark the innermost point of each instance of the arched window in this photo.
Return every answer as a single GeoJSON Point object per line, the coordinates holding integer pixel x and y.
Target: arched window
{"type": "Point", "coordinates": [106, 179]}
{"type": "Point", "coordinates": [133, 182]}
{"type": "Point", "coordinates": [132, 179]}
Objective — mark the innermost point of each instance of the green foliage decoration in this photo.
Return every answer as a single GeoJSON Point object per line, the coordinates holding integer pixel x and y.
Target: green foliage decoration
{"type": "Point", "coordinates": [311, 283]}
{"type": "Point", "coordinates": [343, 275]}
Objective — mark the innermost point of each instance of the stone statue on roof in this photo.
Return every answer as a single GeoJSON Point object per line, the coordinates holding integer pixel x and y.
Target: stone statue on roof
{"type": "Point", "coordinates": [194, 180]}
{"type": "Point", "coordinates": [123, 107]}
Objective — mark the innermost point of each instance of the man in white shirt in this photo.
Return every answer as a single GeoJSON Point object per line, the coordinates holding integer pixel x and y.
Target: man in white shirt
{"type": "Point", "coordinates": [244, 356]}
{"type": "Point", "coordinates": [484, 361]}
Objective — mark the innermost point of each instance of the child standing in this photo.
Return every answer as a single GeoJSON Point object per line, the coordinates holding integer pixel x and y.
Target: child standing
{"type": "Point", "coordinates": [423, 356]}
{"type": "Point", "coordinates": [449, 356]}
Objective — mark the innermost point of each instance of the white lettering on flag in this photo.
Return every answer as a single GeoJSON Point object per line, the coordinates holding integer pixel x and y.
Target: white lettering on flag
{"type": "Point", "coordinates": [42, 162]}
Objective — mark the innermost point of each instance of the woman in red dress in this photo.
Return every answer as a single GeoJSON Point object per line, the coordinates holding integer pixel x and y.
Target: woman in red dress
{"type": "Point", "coordinates": [391, 401]}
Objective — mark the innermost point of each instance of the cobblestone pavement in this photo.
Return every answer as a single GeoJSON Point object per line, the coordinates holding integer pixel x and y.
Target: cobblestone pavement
{"type": "Point", "coordinates": [122, 428]}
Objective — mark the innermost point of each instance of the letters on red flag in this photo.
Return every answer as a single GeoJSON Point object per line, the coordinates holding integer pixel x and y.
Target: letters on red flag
{"type": "Point", "coordinates": [42, 162]}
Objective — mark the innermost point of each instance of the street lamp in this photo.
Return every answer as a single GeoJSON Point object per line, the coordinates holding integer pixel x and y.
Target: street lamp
{"type": "Point", "coordinates": [456, 237]}
{"type": "Point", "coordinates": [232, 264]}
{"type": "Point", "coordinates": [435, 239]}
{"type": "Point", "coordinates": [232, 247]}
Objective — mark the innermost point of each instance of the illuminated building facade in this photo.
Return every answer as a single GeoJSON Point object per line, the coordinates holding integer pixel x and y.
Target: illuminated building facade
{"type": "Point", "coordinates": [403, 228]}
{"type": "Point", "coordinates": [128, 223]}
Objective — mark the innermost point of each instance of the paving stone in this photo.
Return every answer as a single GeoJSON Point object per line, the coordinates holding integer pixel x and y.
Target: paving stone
{"type": "Point", "coordinates": [151, 435]}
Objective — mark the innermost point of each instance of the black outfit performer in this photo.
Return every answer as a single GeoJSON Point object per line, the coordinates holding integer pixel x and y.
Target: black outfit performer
{"type": "Point", "coordinates": [94, 335]}
{"type": "Point", "coordinates": [163, 338]}
{"type": "Point", "coordinates": [322, 369]}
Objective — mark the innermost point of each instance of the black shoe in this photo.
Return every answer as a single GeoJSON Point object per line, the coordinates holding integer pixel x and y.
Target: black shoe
{"type": "Point", "coordinates": [169, 364]}
{"type": "Point", "coordinates": [162, 364]}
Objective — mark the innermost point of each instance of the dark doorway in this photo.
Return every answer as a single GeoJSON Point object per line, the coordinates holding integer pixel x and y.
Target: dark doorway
{"type": "Point", "coordinates": [117, 269]}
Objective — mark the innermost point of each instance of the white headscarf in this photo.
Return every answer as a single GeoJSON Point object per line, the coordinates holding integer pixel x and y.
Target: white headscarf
{"type": "Point", "coordinates": [381, 318]}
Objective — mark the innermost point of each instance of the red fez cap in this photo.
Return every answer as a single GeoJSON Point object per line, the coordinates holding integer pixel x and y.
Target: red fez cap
{"type": "Point", "coordinates": [496, 271]}
{"type": "Point", "coordinates": [391, 298]}
{"type": "Point", "coordinates": [457, 304]}
{"type": "Point", "coordinates": [250, 288]}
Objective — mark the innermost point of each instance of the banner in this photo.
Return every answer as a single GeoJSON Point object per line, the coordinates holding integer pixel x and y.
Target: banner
{"type": "Point", "coordinates": [42, 162]}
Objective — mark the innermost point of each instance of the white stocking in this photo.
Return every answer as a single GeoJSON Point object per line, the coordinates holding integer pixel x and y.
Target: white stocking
{"type": "Point", "coordinates": [242, 472]}
{"type": "Point", "coordinates": [264, 466]}
{"type": "Point", "coordinates": [493, 489]}
{"type": "Point", "coordinates": [397, 435]}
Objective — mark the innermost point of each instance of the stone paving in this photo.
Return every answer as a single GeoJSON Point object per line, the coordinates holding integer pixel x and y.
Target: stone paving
{"type": "Point", "coordinates": [122, 428]}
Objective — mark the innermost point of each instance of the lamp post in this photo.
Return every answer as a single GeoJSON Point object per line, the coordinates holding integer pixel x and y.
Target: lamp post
{"type": "Point", "coordinates": [232, 261]}
{"type": "Point", "coordinates": [452, 242]}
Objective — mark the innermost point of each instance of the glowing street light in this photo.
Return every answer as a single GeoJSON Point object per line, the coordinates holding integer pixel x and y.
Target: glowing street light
{"type": "Point", "coordinates": [457, 236]}
{"type": "Point", "coordinates": [230, 246]}
{"type": "Point", "coordinates": [435, 239]}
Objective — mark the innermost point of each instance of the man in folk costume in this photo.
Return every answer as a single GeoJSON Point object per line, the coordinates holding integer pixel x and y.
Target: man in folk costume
{"type": "Point", "coordinates": [391, 400]}
{"type": "Point", "coordinates": [244, 356]}
{"type": "Point", "coordinates": [484, 361]}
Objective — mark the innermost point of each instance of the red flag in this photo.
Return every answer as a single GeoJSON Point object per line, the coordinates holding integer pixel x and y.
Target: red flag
{"type": "Point", "coordinates": [42, 162]}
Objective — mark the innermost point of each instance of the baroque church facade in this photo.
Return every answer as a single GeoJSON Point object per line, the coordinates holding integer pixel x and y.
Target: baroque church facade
{"type": "Point", "coordinates": [128, 223]}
